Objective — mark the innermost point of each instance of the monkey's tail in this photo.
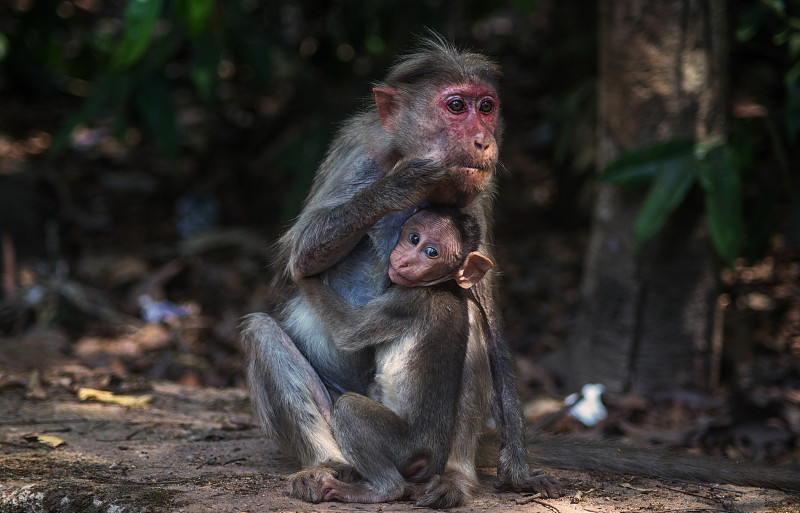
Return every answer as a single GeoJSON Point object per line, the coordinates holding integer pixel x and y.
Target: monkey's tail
{"type": "Point", "coordinates": [574, 453]}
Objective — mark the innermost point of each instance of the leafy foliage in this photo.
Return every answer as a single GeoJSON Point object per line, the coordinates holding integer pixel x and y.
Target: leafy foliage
{"type": "Point", "coordinates": [729, 171]}
{"type": "Point", "coordinates": [640, 167]}
{"type": "Point", "coordinates": [140, 20]}
{"type": "Point", "coordinates": [721, 180]}
{"type": "Point", "coordinates": [176, 71]}
{"type": "Point", "coordinates": [671, 168]}
{"type": "Point", "coordinates": [187, 73]}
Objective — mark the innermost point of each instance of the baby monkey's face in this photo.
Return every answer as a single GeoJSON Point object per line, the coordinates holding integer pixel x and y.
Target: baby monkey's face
{"type": "Point", "coordinates": [428, 251]}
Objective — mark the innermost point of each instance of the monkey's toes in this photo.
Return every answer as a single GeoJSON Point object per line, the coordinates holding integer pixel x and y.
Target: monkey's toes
{"type": "Point", "coordinates": [307, 484]}
{"type": "Point", "coordinates": [536, 482]}
{"type": "Point", "coordinates": [442, 493]}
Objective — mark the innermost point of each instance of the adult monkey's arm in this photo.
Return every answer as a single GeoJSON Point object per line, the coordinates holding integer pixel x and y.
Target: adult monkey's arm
{"type": "Point", "coordinates": [328, 232]}
{"type": "Point", "coordinates": [513, 470]}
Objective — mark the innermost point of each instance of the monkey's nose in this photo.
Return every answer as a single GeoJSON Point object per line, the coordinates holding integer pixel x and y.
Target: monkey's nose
{"type": "Point", "coordinates": [482, 144]}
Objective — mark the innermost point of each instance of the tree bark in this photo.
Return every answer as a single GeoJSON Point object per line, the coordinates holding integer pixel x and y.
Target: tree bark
{"type": "Point", "coordinates": [646, 318]}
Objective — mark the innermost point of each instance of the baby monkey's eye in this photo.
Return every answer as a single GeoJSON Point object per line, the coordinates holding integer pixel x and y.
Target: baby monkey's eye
{"type": "Point", "coordinates": [413, 238]}
{"type": "Point", "coordinates": [431, 252]}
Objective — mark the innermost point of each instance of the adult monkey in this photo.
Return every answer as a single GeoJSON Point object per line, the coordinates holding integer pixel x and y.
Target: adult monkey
{"type": "Point", "coordinates": [432, 137]}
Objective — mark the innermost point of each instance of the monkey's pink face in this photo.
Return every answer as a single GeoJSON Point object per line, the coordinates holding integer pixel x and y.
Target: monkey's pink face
{"type": "Point", "coordinates": [426, 253]}
{"type": "Point", "coordinates": [463, 136]}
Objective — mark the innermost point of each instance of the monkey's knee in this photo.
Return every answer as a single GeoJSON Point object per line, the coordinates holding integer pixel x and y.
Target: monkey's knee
{"type": "Point", "coordinates": [288, 396]}
{"type": "Point", "coordinates": [257, 328]}
{"type": "Point", "coordinates": [352, 408]}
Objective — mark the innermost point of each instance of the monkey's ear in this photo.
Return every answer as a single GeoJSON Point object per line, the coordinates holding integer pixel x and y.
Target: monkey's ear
{"type": "Point", "coordinates": [473, 269]}
{"type": "Point", "coordinates": [385, 100]}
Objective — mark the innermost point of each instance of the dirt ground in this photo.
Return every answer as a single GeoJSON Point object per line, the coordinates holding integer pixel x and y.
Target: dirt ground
{"type": "Point", "coordinates": [198, 450]}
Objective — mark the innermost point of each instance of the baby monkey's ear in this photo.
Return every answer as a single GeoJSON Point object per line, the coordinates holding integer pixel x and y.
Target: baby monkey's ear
{"type": "Point", "coordinates": [472, 270]}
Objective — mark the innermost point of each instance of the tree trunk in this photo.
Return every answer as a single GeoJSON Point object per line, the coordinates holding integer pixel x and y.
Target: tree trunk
{"type": "Point", "coordinates": [646, 318]}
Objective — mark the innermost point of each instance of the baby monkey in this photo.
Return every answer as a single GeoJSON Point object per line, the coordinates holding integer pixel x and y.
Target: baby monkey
{"type": "Point", "coordinates": [403, 431]}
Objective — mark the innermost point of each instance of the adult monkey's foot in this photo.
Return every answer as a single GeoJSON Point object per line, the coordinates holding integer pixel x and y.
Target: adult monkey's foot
{"type": "Point", "coordinates": [308, 484]}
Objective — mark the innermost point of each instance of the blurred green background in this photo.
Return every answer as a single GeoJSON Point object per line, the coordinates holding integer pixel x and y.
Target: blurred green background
{"type": "Point", "coordinates": [150, 150]}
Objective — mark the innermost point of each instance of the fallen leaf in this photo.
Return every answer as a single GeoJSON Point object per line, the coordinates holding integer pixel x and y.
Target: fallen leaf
{"type": "Point", "coordinates": [49, 440]}
{"type": "Point", "coordinates": [109, 397]}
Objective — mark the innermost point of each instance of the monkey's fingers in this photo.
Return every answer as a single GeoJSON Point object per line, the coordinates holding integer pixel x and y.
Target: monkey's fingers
{"type": "Point", "coordinates": [412, 180]}
{"type": "Point", "coordinates": [536, 482]}
{"type": "Point", "coordinates": [418, 165]}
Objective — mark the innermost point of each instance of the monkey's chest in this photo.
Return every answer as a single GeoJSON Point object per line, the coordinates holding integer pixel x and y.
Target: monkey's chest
{"type": "Point", "coordinates": [391, 385]}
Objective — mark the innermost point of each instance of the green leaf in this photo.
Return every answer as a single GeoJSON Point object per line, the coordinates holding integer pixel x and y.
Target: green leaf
{"type": "Point", "coordinates": [742, 139]}
{"type": "Point", "coordinates": [668, 190]}
{"type": "Point", "coordinates": [4, 46]}
{"type": "Point", "coordinates": [723, 187]}
{"type": "Point", "coordinates": [641, 166]}
{"type": "Point", "coordinates": [206, 54]}
{"type": "Point", "coordinates": [781, 37]}
{"type": "Point", "coordinates": [153, 102]}
{"type": "Point", "coordinates": [196, 15]}
{"type": "Point", "coordinates": [779, 6]}
{"type": "Point", "coordinates": [750, 21]}
{"type": "Point", "coordinates": [375, 44]}
{"type": "Point", "coordinates": [140, 19]}
{"type": "Point", "coordinates": [794, 45]}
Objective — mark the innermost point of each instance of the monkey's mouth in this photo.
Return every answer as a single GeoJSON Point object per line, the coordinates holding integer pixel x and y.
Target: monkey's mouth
{"type": "Point", "coordinates": [471, 170]}
{"type": "Point", "coordinates": [471, 180]}
{"type": "Point", "coordinates": [398, 278]}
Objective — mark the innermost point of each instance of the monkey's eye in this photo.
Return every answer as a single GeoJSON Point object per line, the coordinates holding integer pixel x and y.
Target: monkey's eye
{"type": "Point", "coordinates": [431, 252]}
{"type": "Point", "coordinates": [486, 106]}
{"type": "Point", "coordinates": [456, 106]}
{"type": "Point", "coordinates": [413, 238]}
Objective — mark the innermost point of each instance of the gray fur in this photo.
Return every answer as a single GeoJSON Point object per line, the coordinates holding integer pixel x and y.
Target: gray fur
{"type": "Point", "coordinates": [368, 184]}
{"type": "Point", "coordinates": [405, 427]}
